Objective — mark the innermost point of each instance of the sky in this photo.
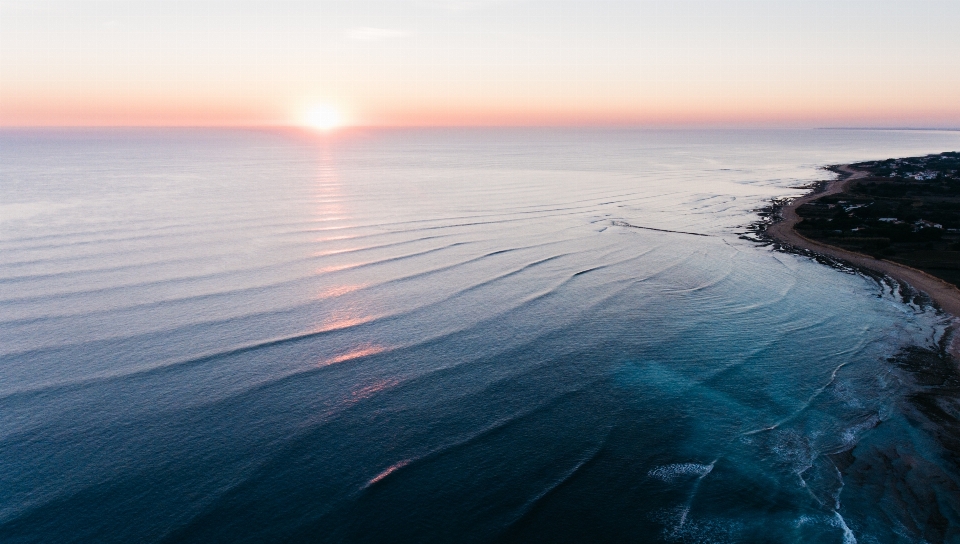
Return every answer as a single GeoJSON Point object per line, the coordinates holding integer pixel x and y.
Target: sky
{"type": "Point", "coordinates": [481, 62]}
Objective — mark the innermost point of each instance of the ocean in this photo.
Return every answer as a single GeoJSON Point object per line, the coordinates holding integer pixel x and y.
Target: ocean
{"type": "Point", "coordinates": [432, 335]}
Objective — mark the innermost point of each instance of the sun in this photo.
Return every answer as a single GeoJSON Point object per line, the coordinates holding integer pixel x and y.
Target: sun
{"type": "Point", "coordinates": [323, 117]}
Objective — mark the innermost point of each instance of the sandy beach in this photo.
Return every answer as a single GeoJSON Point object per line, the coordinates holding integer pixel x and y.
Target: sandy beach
{"type": "Point", "coordinates": [942, 293]}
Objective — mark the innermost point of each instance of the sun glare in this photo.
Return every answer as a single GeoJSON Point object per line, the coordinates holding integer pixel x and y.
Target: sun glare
{"type": "Point", "coordinates": [323, 118]}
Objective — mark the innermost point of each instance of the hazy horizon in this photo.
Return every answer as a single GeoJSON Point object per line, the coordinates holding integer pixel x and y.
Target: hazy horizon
{"type": "Point", "coordinates": [693, 63]}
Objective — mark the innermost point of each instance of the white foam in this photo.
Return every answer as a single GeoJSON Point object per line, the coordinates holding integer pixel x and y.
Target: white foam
{"type": "Point", "coordinates": [680, 528]}
{"type": "Point", "coordinates": [835, 521]}
{"type": "Point", "coordinates": [848, 537]}
{"type": "Point", "coordinates": [669, 473]}
{"type": "Point", "coordinates": [851, 436]}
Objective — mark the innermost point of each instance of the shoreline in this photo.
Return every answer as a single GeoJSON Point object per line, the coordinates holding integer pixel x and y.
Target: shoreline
{"type": "Point", "coordinates": [781, 230]}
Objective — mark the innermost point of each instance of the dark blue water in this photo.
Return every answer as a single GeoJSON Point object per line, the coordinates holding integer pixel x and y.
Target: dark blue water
{"type": "Point", "coordinates": [454, 335]}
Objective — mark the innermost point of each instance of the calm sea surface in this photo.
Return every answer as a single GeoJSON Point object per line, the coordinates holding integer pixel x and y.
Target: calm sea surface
{"type": "Point", "coordinates": [452, 335]}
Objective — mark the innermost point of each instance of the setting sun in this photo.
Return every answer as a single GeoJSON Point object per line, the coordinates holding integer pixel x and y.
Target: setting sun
{"type": "Point", "coordinates": [323, 118]}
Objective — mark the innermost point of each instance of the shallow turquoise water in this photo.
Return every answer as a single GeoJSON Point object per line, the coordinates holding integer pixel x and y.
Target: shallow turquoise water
{"type": "Point", "coordinates": [416, 335]}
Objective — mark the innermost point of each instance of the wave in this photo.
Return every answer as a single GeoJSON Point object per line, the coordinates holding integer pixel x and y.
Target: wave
{"type": "Point", "coordinates": [531, 504]}
{"type": "Point", "coordinates": [156, 367]}
{"type": "Point", "coordinates": [256, 270]}
{"type": "Point", "coordinates": [482, 434]}
{"type": "Point", "coordinates": [216, 355]}
{"type": "Point", "coordinates": [625, 224]}
{"type": "Point", "coordinates": [388, 471]}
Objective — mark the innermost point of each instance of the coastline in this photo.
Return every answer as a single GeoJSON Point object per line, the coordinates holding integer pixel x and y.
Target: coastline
{"type": "Point", "coordinates": [782, 231]}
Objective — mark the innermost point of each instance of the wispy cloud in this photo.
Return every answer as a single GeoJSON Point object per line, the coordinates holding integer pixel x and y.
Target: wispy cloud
{"type": "Point", "coordinates": [370, 34]}
{"type": "Point", "coordinates": [463, 5]}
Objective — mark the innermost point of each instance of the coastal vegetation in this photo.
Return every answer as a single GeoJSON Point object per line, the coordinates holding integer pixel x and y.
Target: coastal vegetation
{"type": "Point", "coordinates": [904, 210]}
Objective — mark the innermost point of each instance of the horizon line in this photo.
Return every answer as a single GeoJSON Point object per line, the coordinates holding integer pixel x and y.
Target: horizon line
{"type": "Point", "coordinates": [692, 126]}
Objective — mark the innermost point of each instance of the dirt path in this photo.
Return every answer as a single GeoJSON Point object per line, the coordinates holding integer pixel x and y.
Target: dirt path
{"type": "Point", "coordinates": [944, 294]}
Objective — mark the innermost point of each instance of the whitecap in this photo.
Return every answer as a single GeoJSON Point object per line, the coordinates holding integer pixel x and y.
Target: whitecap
{"type": "Point", "coordinates": [669, 473]}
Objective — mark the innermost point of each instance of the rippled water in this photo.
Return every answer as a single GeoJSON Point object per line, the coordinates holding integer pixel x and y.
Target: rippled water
{"type": "Point", "coordinates": [449, 335]}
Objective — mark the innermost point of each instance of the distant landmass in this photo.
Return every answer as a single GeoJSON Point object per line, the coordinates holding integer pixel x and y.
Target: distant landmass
{"type": "Point", "coordinates": [949, 129]}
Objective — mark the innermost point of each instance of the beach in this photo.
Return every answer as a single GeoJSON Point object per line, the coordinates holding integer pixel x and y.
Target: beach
{"type": "Point", "coordinates": [943, 294]}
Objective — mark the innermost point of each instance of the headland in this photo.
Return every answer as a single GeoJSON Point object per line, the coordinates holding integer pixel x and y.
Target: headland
{"type": "Point", "coordinates": [899, 217]}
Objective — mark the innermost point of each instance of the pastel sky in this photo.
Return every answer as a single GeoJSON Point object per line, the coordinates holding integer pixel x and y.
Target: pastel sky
{"type": "Point", "coordinates": [481, 62]}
